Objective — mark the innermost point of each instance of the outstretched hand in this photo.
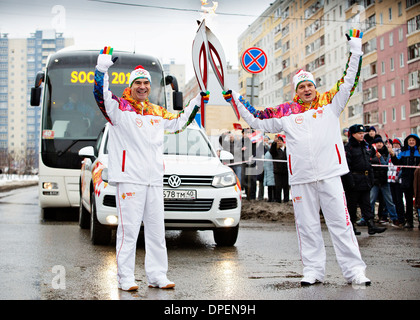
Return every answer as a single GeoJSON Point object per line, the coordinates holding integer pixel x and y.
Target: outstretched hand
{"type": "Point", "coordinates": [354, 38]}
{"type": "Point", "coordinates": [105, 59]}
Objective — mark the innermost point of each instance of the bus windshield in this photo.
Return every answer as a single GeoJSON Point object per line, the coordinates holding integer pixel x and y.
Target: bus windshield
{"type": "Point", "coordinates": [71, 118]}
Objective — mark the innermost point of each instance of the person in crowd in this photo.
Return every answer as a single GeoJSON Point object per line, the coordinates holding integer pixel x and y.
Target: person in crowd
{"type": "Point", "coordinates": [358, 182]}
{"type": "Point", "coordinates": [416, 187]}
{"type": "Point", "coordinates": [136, 168]}
{"type": "Point", "coordinates": [370, 135]}
{"type": "Point", "coordinates": [229, 142]}
{"type": "Point", "coordinates": [409, 156]}
{"type": "Point", "coordinates": [394, 180]}
{"type": "Point", "coordinates": [379, 156]}
{"type": "Point", "coordinates": [316, 162]}
{"type": "Point", "coordinates": [269, 181]}
{"type": "Point", "coordinates": [281, 176]}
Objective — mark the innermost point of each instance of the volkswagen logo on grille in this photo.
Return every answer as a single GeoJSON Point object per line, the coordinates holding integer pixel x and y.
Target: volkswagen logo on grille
{"type": "Point", "coordinates": [174, 181]}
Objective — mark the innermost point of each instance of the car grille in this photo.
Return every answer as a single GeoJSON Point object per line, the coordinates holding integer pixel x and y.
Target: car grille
{"type": "Point", "coordinates": [172, 205]}
{"type": "Point", "coordinates": [191, 180]}
{"type": "Point", "coordinates": [188, 205]}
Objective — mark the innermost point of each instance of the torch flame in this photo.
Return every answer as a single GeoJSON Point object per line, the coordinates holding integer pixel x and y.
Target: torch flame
{"type": "Point", "coordinates": [209, 10]}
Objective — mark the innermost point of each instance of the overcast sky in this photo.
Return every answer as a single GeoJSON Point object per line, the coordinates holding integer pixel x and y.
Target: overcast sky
{"type": "Point", "coordinates": [164, 32]}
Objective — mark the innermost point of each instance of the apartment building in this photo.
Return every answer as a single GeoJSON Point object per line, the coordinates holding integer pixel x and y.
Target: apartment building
{"type": "Point", "coordinates": [310, 35]}
{"type": "Point", "coordinates": [391, 85]}
{"type": "Point", "coordinates": [20, 60]}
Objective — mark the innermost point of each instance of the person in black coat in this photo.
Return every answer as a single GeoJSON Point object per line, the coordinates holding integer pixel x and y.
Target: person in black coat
{"type": "Point", "coordinates": [358, 182]}
{"type": "Point", "coordinates": [281, 176]}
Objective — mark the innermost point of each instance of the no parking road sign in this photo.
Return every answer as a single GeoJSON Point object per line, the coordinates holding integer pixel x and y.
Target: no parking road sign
{"type": "Point", "coordinates": [254, 60]}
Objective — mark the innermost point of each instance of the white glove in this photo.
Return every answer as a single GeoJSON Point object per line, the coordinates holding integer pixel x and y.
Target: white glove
{"type": "Point", "coordinates": [355, 41]}
{"type": "Point", "coordinates": [105, 59]}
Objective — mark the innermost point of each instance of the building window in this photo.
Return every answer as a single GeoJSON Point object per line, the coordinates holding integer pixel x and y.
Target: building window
{"type": "Point", "coordinates": [393, 89]}
{"type": "Point", "coordinates": [382, 67]}
{"type": "Point", "coordinates": [394, 115]}
{"type": "Point", "coordinates": [414, 106]}
{"type": "Point", "coordinates": [391, 63]}
{"type": "Point", "coordinates": [413, 51]}
{"type": "Point", "coordinates": [413, 80]}
{"type": "Point", "coordinates": [413, 24]}
{"type": "Point", "coordinates": [383, 92]}
{"type": "Point", "coordinates": [402, 60]}
{"type": "Point", "coordinates": [402, 86]}
{"type": "Point", "coordinates": [402, 112]}
{"type": "Point", "coordinates": [391, 39]}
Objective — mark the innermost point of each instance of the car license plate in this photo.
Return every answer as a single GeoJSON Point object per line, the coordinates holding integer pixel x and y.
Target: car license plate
{"type": "Point", "coordinates": [180, 194]}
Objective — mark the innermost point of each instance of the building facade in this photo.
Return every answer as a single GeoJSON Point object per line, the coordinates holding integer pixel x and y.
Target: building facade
{"type": "Point", "coordinates": [310, 35]}
{"type": "Point", "coordinates": [20, 60]}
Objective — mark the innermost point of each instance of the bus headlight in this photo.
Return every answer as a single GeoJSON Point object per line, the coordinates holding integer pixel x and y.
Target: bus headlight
{"type": "Point", "coordinates": [50, 188]}
{"type": "Point", "coordinates": [50, 185]}
{"type": "Point", "coordinates": [224, 180]}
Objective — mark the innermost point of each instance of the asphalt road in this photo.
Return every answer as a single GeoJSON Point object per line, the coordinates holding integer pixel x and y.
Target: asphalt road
{"type": "Point", "coordinates": [54, 260]}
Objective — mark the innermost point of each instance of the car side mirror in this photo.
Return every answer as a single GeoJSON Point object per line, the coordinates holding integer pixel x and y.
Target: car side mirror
{"type": "Point", "coordinates": [87, 152]}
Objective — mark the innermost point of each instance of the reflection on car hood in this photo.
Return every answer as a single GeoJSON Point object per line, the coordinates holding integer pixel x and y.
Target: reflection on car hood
{"type": "Point", "coordinates": [193, 165]}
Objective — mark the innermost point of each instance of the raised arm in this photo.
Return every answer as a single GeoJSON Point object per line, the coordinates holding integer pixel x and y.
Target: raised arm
{"type": "Point", "coordinates": [344, 88]}
{"type": "Point", "coordinates": [106, 101]}
{"type": "Point", "coordinates": [252, 116]}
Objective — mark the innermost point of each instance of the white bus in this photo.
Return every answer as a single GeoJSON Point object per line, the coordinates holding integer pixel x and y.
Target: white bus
{"type": "Point", "coordinates": [72, 120]}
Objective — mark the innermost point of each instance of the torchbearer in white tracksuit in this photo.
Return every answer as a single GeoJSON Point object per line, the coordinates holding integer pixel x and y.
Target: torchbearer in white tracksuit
{"type": "Point", "coordinates": [316, 162]}
{"type": "Point", "coordinates": [136, 167]}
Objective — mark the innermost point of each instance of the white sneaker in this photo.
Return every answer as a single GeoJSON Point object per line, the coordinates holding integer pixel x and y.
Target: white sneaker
{"type": "Point", "coordinates": [309, 280]}
{"type": "Point", "coordinates": [162, 284]}
{"type": "Point", "coordinates": [360, 279]}
{"type": "Point", "coordinates": [128, 287]}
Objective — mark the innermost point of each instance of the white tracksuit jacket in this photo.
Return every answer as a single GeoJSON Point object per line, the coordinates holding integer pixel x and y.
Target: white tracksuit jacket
{"type": "Point", "coordinates": [315, 150]}
{"type": "Point", "coordinates": [136, 137]}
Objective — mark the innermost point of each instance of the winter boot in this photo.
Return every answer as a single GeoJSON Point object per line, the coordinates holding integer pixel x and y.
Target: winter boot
{"type": "Point", "coordinates": [372, 229]}
{"type": "Point", "coordinates": [357, 233]}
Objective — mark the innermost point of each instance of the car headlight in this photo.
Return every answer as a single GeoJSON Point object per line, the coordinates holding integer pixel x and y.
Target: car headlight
{"type": "Point", "coordinates": [104, 175]}
{"type": "Point", "coordinates": [224, 180]}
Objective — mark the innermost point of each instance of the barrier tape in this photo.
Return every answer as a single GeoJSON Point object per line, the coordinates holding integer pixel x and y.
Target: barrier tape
{"type": "Point", "coordinates": [251, 159]}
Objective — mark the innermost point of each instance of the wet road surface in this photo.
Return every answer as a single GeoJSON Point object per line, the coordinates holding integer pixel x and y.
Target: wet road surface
{"type": "Point", "coordinates": [54, 260]}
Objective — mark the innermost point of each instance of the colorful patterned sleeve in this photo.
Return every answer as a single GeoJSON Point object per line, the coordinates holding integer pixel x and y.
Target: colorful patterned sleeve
{"type": "Point", "coordinates": [282, 110]}
{"type": "Point", "coordinates": [98, 92]}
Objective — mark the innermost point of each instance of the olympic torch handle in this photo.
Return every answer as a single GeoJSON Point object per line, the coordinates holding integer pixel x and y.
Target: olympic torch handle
{"type": "Point", "coordinates": [229, 98]}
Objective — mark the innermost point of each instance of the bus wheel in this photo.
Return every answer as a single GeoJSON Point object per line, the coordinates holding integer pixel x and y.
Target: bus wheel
{"type": "Point", "coordinates": [99, 234]}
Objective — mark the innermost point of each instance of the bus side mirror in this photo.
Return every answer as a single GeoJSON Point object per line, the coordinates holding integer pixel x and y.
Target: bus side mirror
{"type": "Point", "coordinates": [177, 98]}
{"type": "Point", "coordinates": [35, 96]}
{"type": "Point", "coordinates": [36, 91]}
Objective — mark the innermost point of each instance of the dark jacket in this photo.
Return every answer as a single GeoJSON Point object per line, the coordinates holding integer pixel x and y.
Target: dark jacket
{"type": "Point", "coordinates": [380, 174]}
{"type": "Point", "coordinates": [358, 160]}
{"type": "Point", "coordinates": [279, 154]}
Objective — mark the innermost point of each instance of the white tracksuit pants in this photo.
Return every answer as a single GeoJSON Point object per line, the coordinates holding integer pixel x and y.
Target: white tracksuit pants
{"type": "Point", "coordinates": [137, 203]}
{"type": "Point", "coordinates": [328, 195]}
